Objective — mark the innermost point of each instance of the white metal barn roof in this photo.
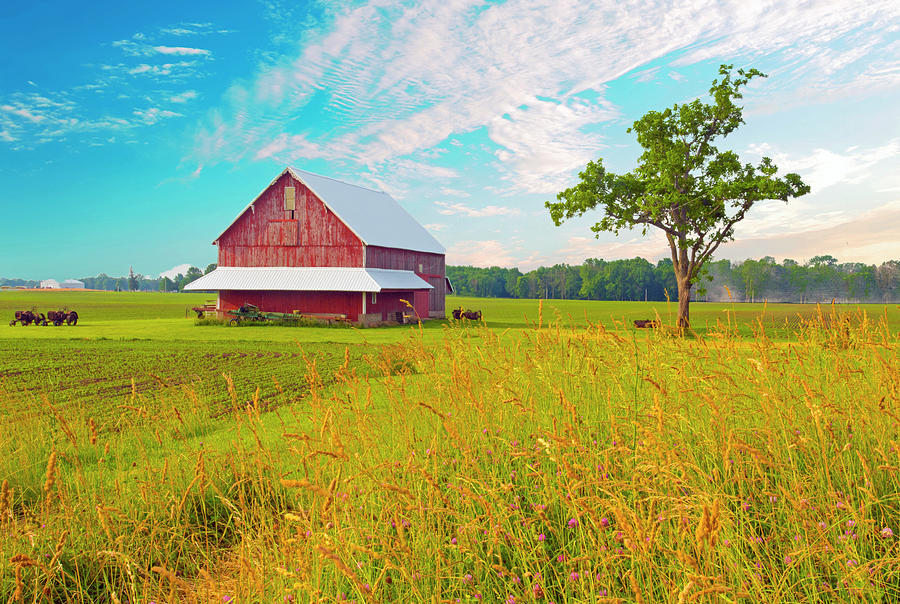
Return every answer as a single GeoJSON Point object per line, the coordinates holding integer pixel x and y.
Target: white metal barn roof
{"type": "Point", "coordinates": [373, 216]}
{"type": "Point", "coordinates": [316, 278]}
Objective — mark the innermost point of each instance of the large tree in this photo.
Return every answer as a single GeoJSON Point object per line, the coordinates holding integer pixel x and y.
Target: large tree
{"type": "Point", "coordinates": [683, 184]}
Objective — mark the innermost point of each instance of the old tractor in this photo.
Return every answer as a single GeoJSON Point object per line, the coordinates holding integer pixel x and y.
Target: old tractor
{"type": "Point", "coordinates": [27, 317]}
{"type": "Point", "coordinates": [58, 317]}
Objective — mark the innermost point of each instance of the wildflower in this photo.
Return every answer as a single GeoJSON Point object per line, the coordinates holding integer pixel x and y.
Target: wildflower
{"type": "Point", "coordinates": [822, 525]}
{"type": "Point", "coordinates": [510, 600]}
{"type": "Point", "coordinates": [851, 562]}
{"type": "Point", "coordinates": [537, 591]}
{"type": "Point", "coordinates": [788, 560]}
{"type": "Point", "coordinates": [851, 523]}
{"type": "Point", "coordinates": [543, 537]}
{"type": "Point", "coordinates": [573, 577]}
{"type": "Point", "coordinates": [453, 541]}
{"type": "Point", "coordinates": [887, 533]}
{"type": "Point", "coordinates": [604, 522]}
{"type": "Point", "coordinates": [367, 587]}
{"type": "Point", "coordinates": [573, 522]}
{"type": "Point", "coordinates": [561, 558]}
{"type": "Point", "coordinates": [467, 578]}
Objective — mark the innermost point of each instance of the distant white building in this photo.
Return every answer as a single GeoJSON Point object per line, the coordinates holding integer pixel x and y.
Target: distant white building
{"type": "Point", "coordinates": [51, 284]}
{"type": "Point", "coordinates": [72, 284]}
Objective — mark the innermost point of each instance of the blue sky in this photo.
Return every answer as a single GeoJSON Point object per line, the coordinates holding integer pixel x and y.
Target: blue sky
{"type": "Point", "coordinates": [132, 135]}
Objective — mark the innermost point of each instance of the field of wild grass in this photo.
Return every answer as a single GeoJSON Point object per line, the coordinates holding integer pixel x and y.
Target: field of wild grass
{"type": "Point", "coordinates": [556, 461]}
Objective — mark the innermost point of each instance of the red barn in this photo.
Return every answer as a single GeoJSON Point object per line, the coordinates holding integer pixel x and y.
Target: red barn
{"type": "Point", "coordinates": [312, 244]}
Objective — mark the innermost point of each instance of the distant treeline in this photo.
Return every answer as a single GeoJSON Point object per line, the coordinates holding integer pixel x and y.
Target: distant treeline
{"type": "Point", "coordinates": [821, 279]}
{"type": "Point", "coordinates": [131, 282]}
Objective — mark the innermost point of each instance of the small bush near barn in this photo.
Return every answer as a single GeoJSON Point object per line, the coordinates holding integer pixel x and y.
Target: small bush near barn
{"type": "Point", "coordinates": [553, 463]}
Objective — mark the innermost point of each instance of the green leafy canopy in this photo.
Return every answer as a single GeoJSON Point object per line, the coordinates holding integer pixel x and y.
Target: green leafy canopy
{"type": "Point", "coordinates": [683, 184]}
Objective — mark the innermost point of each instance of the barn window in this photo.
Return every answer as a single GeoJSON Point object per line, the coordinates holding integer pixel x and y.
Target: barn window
{"type": "Point", "coordinates": [373, 297]}
{"type": "Point", "coordinates": [420, 268]}
{"type": "Point", "coordinates": [289, 198]}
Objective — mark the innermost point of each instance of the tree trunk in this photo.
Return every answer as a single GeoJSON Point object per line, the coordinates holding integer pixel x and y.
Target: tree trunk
{"type": "Point", "coordinates": [684, 300]}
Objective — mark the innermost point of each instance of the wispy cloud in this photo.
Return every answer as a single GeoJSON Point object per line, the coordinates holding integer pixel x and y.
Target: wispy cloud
{"type": "Point", "coordinates": [449, 209]}
{"type": "Point", "coordinates": [169, 71]}
{"type": "Point", "coordinates": [138, 47]}
{"type": "Point", "coordinates": [183, 97]}
{"type": "Point", "coordinates": [153, 115]}
{"type": "Point", "coordinates": [824, 168]}
{"type": "Point", "coordinates": [193, 29]}
{"type": "Point", "coordinates": [868, 237]}
{"type": "Point", "coordinates": [180, 50]}
{"type": "Point", "coordinates": [453, 192]}
{"type": "Point", "coordinates": [481, 253]}
{"type": "Point", "coordinates": [398, 81]}
{"type": "Point", "coordinates": [33, 118]}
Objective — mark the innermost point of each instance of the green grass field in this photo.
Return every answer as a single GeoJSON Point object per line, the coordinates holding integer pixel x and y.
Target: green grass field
{"type": "Point", "coordinates": [551, 453]}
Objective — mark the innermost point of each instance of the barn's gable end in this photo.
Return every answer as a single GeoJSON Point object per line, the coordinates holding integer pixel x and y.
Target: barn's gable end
{"type": "Point", "coordinates": [266, 234]}
{"type": "Point", "coordinates": [429, 267]}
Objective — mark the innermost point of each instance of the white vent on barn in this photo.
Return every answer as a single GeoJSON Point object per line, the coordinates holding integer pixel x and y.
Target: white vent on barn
{"type": "Point", "coordinates": [289, 199]}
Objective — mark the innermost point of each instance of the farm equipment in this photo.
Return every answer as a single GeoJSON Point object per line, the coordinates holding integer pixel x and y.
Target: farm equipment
{"type": "Point", "coordinates": [58, 317]}
{"type": "Point", "coordinates": [204, 309]}
{"type": "Point", "coordinates": [27, 317]}
{"type": "Point", "coordinates": [646, 324]}
{"type": "Point", "coordinates": [251, 312]}
{"type": "Point", "coordinates": [472, 315]}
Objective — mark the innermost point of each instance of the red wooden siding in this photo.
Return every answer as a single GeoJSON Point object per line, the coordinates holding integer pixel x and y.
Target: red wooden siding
{"type": "Point", "coordinates": [268, 235]}
{"type": "Point", "coordinates": [428, 266]}
{"type": "Point", "coordinates": [312, 235]}
{"type": "Point", "coordinates": [387, 303]}
{"type": "Point", "coordinates": [348, 303]}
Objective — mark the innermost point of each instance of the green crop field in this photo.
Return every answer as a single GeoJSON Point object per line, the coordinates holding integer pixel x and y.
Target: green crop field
{"type": "Point", "coordinates": [551, 453]}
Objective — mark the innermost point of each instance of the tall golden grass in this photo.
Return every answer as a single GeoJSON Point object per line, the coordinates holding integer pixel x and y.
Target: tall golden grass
{"type": "Point", "coordinates": [551, 465]}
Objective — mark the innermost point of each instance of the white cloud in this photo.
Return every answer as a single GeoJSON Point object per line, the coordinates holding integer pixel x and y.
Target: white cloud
{"type": "Point", "coordinates": [173, 272]}
{"type": "Point", "coordinates": [436, 227]}
{"type": "Point", "coordinates": [180, 50]}
{"type": "Point", "coordinates": [870, 237]}
{"type": "Point", "coordinates": [154, 114]}
{"type": "Point", "coordinates": [453, 192]}
{"type": "Point", "coordinates": [177, 70]}
{"type": "Point", "coordinates": [396, 81]}
{"type": "Point", "coordinates": [137, 47]}
{"type": "Point", "coordinates": [653, 247]}
{"type": "Point", "coordinates": [480, 253]}
{"type": "Point", "coordinates": [824, 168]}
{"type": "Point", "coordinates": [183, 97]}
{"type": "Point", "coordinates": [449, 209]}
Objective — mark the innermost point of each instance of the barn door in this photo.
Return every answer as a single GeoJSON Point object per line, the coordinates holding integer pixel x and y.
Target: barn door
{"type": "Point", "coordinates": [420, 302]}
